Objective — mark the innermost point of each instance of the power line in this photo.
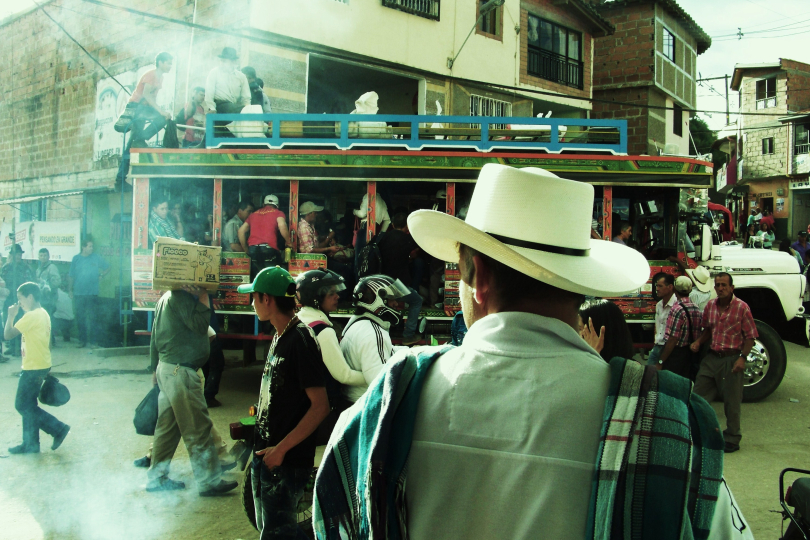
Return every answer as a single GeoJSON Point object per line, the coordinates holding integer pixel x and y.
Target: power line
{"type": "Point", "coordinates": [93, 58]}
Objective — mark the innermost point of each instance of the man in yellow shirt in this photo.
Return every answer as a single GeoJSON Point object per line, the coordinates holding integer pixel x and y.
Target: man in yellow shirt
{"type": "Point", "coordinates": [35, 327]}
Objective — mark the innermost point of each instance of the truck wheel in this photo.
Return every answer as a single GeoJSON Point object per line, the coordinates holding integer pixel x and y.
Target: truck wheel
{"type": "Point", "coordinates": [766, 364]}
{"type": "Point", "coordinates": [247, 497]}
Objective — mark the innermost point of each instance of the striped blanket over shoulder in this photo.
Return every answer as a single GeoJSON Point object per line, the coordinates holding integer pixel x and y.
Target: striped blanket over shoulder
{"type": "Point", "coordinates": [657, 476]}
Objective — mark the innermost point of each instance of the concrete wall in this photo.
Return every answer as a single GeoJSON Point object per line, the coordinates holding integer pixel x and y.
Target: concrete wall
{"type": "Point", "coordinates": [49, 85]}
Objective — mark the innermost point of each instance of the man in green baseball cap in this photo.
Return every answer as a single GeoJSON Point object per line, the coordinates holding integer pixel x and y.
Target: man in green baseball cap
{"type": "Point", "coordinates": [292, 404]}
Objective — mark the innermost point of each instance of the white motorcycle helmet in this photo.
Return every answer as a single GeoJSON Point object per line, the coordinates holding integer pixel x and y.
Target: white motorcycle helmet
{"type": "Point", "coordinates": [372, 294]}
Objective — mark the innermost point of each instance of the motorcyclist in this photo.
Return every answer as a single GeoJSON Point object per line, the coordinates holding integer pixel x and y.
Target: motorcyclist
{"type": "Point", "coordinates": [317, 292]}
{"type": "Point", "coordinates": [366, 344]}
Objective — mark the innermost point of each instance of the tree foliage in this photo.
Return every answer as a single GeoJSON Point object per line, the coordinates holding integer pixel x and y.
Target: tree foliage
{"type": "Point", "coordinates": [702, 136]}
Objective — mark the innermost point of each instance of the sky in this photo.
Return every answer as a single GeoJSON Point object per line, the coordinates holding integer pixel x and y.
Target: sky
{"type": "Point", "coordinates": [771, 30]}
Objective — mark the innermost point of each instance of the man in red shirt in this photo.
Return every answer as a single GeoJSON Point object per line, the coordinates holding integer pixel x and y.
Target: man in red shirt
{"type": "Point", "coordinates": [146, 96]}
{"type": "Point", "coordinates": [263, 227]}
{"type": "Point", "coordinates": [729, 327]}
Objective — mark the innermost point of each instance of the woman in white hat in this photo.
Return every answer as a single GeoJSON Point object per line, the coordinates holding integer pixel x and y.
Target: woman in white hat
{"type": "Point", "coordinates": [702, 291]}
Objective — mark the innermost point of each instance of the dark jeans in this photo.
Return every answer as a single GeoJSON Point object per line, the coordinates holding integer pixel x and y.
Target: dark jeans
{"type": "Point", "coordinates": [261, 257]}
{"type": "Point", "coordinates": [276, 494]}
{"type": "Point", "coordinates": [85, 313]}
{"type": "Point", "coordinates": [143, 114]}
{"type": "Point", "coordinates": [414, 301]}
{"type": "Point", "coordinates": [34, 418]}
{"type": "Point", "coordinates": [213, 369]}
{"type": "Point", "coordinates": [225, 107]}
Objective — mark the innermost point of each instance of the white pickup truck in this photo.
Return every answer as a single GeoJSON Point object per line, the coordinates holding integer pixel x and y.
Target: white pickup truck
{"type": "Point", "coordinates": [771, 284]}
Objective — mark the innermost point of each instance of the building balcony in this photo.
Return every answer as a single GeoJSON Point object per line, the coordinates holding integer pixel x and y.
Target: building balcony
{"type": "Point", "coordinates": [429, 9]}
{"type": "Point", "coordinates": [801, 149]}
{"type": "Point", "coordinates": [555, 67]}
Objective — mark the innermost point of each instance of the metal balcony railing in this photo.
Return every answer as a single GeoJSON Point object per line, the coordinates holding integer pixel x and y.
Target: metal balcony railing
{"type": "Point", "coordinates": [347, 131]}
{"type": "Point", "coordinates": [428, 9]}
{"type": "Point", "coordinates": [554, 67]}
{"type": "Point", "coordinates": [801, 149]}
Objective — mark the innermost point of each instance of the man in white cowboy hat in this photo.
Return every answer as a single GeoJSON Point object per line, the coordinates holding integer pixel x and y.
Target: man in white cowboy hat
{"type": "Point", "coordinates": [226, 88]}
{"type": "Point", "coordinates": [523, 430]}
{"type": "Point", "coordinates": [702, 290]}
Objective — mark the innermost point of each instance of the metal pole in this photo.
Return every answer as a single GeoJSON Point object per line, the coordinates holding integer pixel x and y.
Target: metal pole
{"type": "Point", "coordinates": [190, 48]}
{"type": "Point", "coordinates": [728, 120]}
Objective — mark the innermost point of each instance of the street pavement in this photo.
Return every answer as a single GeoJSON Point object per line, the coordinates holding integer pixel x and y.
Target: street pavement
{"type": "Point", "coordinates": [88, 489]}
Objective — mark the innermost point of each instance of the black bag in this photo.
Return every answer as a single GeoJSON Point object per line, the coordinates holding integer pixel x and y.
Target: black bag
{"type": "Point", "coordinates": [170, 135]}
{"type": "Point", "coordinates": [369, 260]}
{"type": "Point", "coordinates": [124, 122]}
{"type": "Point", "coordinates": [53, 392]}
{"type": "Point", "coordinates": [146, 413]}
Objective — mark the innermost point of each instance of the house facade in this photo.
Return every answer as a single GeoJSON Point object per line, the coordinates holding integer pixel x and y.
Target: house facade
{"type": "Point", "coordinates": [649, 61]}
{"type": "Point", "coordinates": [769, 137]}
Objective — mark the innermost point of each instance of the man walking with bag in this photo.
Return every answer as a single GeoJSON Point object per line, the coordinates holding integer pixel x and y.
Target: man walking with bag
{"type": "Point", "coordinates": [179, 348]}
{"type": "Point", "coordinates": [35, 327]}
{"type": "Point", "coordinates": [730, 329]}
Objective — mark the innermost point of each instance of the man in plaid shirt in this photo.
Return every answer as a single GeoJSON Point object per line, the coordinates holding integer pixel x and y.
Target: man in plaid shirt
{"type": "Point", "coordinates": [684, 325]}
{"type": "Point", "coordinates": [730, 328]}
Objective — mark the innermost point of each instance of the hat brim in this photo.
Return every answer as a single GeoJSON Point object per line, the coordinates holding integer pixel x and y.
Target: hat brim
{"type": "Point", "coordinates": [609, 269]}
{"type": "Point", "coordinates": [247, 288]}
{"type": "Point", "coordinates": [702, 287]}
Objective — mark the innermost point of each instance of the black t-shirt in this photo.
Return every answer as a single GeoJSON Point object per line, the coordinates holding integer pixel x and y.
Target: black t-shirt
{"type": "Point", "coordinates": [293, 365]}
{"type": "Point", "coordinates": [395, 248]}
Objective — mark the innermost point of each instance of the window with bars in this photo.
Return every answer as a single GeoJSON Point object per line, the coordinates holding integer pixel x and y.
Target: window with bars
{"type": "Point", "coordinates": [484, 106]}
{"type": "Point", "coordinates": [555, 52]}
{"type": "Point", "coordinates": [801, 139]}
{"type": "Point", "coordinates": [669, 45]}
{"type": "Point", "coordinates": [767, 145]}
{"type": "Point", "coordinates": [428, 9]}
{"type": "Point", "coordinates": [766, 93]}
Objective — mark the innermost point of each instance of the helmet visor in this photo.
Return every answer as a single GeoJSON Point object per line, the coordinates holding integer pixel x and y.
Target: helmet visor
{"type": "Point", "coordinates": [396, 290]}
{"type": "Point", "coordinates": [326, 290]}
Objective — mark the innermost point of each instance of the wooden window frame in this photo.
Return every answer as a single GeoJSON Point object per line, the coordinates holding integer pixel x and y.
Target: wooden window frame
{"type": "Point", "coordinates": [497, 13]}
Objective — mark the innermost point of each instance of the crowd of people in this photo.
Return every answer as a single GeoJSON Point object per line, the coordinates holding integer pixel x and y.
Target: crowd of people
{"type": "Point", "coordinates": [514, 414]}
{"type": "Point", "coordinates": [527, 334]}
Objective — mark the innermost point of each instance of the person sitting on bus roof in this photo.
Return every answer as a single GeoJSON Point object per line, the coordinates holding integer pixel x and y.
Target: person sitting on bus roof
{"type": "Point", "coordinates": [145, 95]}
{"type": "Point", "coordinates": [159, 224]}
{"type": "Point", "coordinates": [226, 89]}
{"type": "Point", "coordinates": [230, 233]}
{"type": "Point", "coordinates": [264, 225]}
{"type": "Point", "coordinates": [250, 73]}
{"type": "Point", "coordinates": [193, 114]}
{"type": "Point", "coordinates": [625, 233]}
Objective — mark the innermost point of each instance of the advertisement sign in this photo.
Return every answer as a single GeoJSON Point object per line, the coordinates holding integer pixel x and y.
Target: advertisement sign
{"type": "Point", "coordinates": [61, 238]}
{"type": "Point", "coordinates": [111, 100]}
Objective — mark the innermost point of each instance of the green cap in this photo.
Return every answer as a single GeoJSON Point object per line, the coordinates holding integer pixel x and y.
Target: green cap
{"type": "Point", "coordinates": [274, 281]}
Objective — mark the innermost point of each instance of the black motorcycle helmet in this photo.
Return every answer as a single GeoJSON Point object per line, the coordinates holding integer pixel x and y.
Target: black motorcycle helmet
{"type": "Point", "coordinates": [313, 286]}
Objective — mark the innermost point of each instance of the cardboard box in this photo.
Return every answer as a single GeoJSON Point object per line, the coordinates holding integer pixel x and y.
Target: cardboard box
{"type": "Point", "coordinates": [177, 263]}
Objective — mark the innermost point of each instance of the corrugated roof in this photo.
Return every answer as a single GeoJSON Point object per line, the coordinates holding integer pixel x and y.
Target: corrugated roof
{"type": "Point", "coordinates": [702, 38]}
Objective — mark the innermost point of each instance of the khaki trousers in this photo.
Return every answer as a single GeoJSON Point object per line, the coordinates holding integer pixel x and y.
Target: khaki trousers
{"type": "Point", "coordinates": [715, 378]}
{"type": "Point", "coordinates": [219, 444]}
{"type": "Point", "coordinates": [182, 413]}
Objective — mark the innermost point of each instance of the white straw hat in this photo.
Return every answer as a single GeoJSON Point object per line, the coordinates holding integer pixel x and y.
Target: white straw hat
{"type": "Point", "coordinates": [700, 277]}
{"type": "Point", "coordinates": [538, 224]}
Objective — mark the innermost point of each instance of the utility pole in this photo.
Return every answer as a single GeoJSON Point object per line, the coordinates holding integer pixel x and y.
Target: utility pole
{"type": "Point", "coordinates": [725, 78]}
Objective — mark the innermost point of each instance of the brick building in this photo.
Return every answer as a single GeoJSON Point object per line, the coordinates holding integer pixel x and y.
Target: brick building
{"type": "Point", "coordinates": [59, 154]}
{"type": "Point", "coordinates": [767, 142]}
{"type": "Point", "coordinates": [650, 60]}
